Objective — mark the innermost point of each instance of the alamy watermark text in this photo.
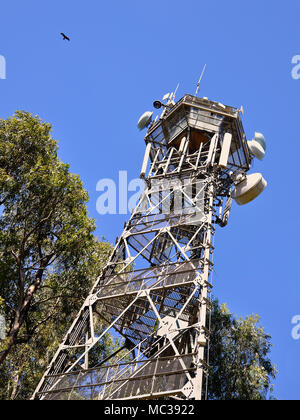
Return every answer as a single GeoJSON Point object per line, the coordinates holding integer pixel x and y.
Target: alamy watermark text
{"type": "Point", "coordinates": [296, 328]}
{"type": "Point", "coordinates": [296, 68]}
{"type": "Point", "coordinates": [2, 67]}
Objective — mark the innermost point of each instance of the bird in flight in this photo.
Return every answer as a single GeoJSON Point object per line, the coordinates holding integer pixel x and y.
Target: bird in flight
{"type": "Point", "coordinates": [65, 37]}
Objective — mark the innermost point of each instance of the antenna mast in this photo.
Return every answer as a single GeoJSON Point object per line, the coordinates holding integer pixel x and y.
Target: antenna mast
{"type": "Point", "coordinates": [199, 81]}
{"type": "Point", "coordinates": [155, 289]}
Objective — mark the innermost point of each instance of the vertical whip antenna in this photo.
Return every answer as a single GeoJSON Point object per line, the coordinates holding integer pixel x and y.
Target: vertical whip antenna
{"type": "Point", "coordinates": [174, 94]}
{"type": "Point", "coordinates": [199, 81]}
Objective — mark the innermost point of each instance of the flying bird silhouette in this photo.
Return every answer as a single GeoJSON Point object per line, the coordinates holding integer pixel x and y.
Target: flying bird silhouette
{"type": "Point", "coordinates": [65, 37]}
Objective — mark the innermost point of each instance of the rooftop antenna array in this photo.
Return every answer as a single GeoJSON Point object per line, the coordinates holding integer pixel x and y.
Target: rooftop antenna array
{"type": "Point", "coordinates": [170, 101]}
{"type": "Point", "coordinates": [155, 290]}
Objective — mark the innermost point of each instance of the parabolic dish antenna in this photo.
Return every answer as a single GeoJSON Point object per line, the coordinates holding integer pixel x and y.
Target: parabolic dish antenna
{"type": "Point", "coordinates": [261, 140]}
{"type": "Point", "coordinates": [250, 188]}
{"type": "Point", "coordinates": [145, 120]}
{"type": "Point", "coordinates": [256, 149]}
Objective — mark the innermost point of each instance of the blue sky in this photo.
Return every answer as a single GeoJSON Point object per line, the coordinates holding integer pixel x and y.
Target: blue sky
{"type": "Point", "coordinates": [121, 57]}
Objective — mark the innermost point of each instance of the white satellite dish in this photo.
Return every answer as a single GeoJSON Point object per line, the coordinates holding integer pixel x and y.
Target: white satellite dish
{"type": "Point", "coordinates": [145, 120]}
{"type": "Point", "coordinates": [256, 149]}
{"type": "Point", "coordinates": [250, 188]}
{"type": "Point", "coordinates": [261, 140]}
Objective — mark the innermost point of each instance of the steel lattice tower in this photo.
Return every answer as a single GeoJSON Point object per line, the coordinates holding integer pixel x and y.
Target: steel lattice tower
{"type": "Point", "coordinates": [155, 289]}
